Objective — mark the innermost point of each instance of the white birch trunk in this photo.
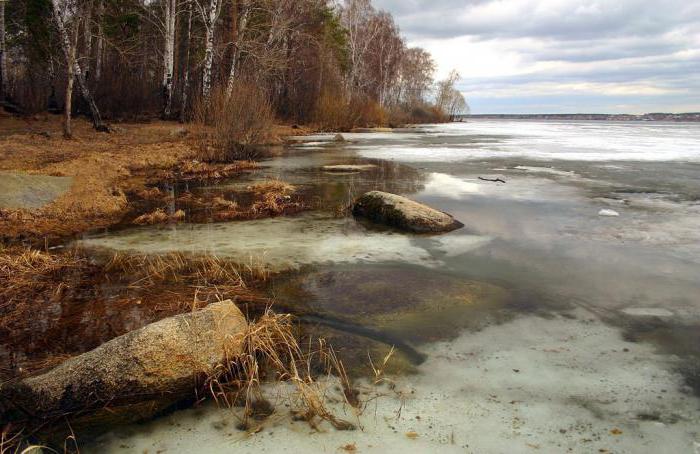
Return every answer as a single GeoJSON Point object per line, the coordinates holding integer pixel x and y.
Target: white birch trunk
{"type": "Point", "coordinates": [169, 56]}
{"type": "Point", "coordinates": [186, 76]}
{"type": "Point", "coordinates": [99, 48]}
{"type": "Point", "coordinates": [210, 24]}
{"type": "Point", "coordinates": [68, 109]}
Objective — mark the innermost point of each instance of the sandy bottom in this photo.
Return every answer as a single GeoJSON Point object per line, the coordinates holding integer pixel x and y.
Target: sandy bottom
{"type": "Point", "coordinates": [529, 385]}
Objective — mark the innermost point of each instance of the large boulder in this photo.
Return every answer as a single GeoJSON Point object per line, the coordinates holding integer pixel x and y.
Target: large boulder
{"type": "Point", "coordinates": [402, 213]}
{"type": "Point", "coordinates": [160, 360]}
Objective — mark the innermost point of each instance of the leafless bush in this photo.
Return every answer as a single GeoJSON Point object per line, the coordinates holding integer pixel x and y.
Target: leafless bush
{"type": "Point", "coordinates": [230, 127]}
{"type": "Point", "coordinates": [334, 112]}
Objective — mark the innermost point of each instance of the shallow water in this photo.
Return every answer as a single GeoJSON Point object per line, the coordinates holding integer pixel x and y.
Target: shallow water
{"type": "Point", "coordinates": [600, 315]}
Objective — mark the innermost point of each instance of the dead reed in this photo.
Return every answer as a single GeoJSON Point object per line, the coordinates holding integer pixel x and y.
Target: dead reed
{"type": "Point", "coordinates": [29, 277]}
{"type": "Point", "coordinates": [159, 216]}
{"type": "Point", "coordinates": [271, 351]}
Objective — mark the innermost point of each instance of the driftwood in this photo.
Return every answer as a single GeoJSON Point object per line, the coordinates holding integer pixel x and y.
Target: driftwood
{"type": "Point", "coordinates": [494, 180]}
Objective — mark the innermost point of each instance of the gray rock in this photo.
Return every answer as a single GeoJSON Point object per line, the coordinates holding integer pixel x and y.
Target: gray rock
{"type": "Point", "coordinates": [402, 213]}
{"type": "Point", "coordinates": [159, 360]}
{"type": "Point", "coordinates": [22, 190]}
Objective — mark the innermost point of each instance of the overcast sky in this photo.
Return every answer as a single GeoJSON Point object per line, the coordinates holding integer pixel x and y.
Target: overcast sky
{"type": "Point", "coordinates": [538, 56]}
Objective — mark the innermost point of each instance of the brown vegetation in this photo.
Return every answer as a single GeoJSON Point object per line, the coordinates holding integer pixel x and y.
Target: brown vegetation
{"type": "Point", "coordinates": [271, 350]}
{"type": "Point", "coordinates": [158, 216]}
{"type": "Point", "coordinates": [229, 127]}
{"type": "Point", "coordinates": [105, 169]}
{"type": "Point", "coordinates": [89, 301]}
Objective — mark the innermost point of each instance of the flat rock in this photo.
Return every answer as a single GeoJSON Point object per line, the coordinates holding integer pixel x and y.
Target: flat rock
{"type": "Point", "coordinates": [161, 359]}
{"type": "Point", "coordinates": [349, 167]}
{"type": "Point", "coordinates": [22, 190]}
{"type": "Point", "coordinates": [607, 212]}
{"type": "Point", "coordinates": [402, 213]}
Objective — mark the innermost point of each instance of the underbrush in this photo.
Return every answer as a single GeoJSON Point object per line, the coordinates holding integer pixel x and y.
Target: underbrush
{"type": "Point", "coordinates": [335, 112]}
{"type": "Point", "coordinates": [229, 128]}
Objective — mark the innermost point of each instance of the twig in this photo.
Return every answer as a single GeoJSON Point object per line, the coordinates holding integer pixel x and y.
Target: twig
{"type": "Point", "coordinates": [495, 180]}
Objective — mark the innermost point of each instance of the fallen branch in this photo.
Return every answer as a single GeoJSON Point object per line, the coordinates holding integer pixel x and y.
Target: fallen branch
{"type": "Point", "coordinates": [494, 180]}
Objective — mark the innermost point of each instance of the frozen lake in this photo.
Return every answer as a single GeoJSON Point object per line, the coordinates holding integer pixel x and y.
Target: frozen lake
{"type": "Point", "coordinates": [564, 316]}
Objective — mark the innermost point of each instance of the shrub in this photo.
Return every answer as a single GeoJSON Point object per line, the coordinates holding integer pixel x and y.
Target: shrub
{"type": "Point", "coordinates": [231, 127]}
{"type": "Point", "coordinates": [335, 112]}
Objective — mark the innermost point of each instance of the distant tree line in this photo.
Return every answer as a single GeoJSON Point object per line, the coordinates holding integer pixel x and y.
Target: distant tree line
{"type": "Point", "coordinates": [338, 64]}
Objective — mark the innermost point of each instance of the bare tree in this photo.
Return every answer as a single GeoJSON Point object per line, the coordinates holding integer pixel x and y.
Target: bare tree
{"type": "Point", "coordinates": [242, 13]}
{"type": "Point", "coordinates": [209, 14]}
{"type": "Point", "coordinates": [67, 16]}
{"type": "Point", "coordinates": [169, 16]}
{"type": "Point", "coordinates": [448, 98]}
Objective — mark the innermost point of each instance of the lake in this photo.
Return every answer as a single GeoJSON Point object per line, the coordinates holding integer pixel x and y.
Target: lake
{"type": "Point", "coordinates": [564, 315]}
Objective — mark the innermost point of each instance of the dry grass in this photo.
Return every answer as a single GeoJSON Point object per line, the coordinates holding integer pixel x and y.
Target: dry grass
{"type": "Point", "coordinates": [158, 216]}
{"type": "Point", "coordinates": [273, 199]}
{"type": "Point", "coordinates": [29, 277]}
{"type": "Point", "coordinates": [150, 194]}
{"type": "Point", "coordinates": [203, 171]}
{"type": "Point", "coordinates": [201, 271]}
{"type": "Point", "coordinates": [271, 351]}
{"type": "Point", "coordinates": [272, 185]}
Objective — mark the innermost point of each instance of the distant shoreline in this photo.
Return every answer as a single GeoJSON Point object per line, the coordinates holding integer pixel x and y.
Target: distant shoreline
{"type": "Point", "coordinates": [691, 117]}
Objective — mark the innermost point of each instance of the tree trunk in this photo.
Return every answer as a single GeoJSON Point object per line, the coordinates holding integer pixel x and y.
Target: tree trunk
{"type": "Point", "coordinates": [99, 48]}
{"type": "Point", "coordinates": [186, 76]}
{"type": "Point", "coordinates": [169, 56]}
{"type": "Point", "coordinates": [3, 55]}
{"type": "Point", "coordinates": [87, 37]}
{"type": "Point", "coordinates": [71, 62]}
{"type": "Point", "coordinates": [210, 23]}
{"type": "Point", "coordinates": [68, 109]}
{"type": "Point", "coordinates": [236, 52]}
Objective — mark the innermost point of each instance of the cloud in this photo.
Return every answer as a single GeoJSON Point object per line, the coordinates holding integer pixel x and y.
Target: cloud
{"type": "Point", "coordinates": [614, 52]}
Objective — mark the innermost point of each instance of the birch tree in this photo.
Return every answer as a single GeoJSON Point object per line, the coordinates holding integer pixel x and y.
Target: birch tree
{"type": "Point", "coordinates": [210, 14]}
{"type": "Point", "coordinates": [170, 14]}
{"type": "Point", "coordinates": [356, 17]}
{"type": "Point", "coordinates": [186, 76]}
{"type": "Point", "coordinates": [67, 16]}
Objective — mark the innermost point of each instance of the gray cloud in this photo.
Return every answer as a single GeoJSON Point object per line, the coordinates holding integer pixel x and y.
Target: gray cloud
{"type": "Point", "coordinates": [617, 46]}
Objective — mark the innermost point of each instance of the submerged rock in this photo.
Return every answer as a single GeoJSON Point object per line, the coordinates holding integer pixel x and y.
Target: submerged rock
{"type": "Point", "coordinates": [400, 212]}
{"type": "Point", "coordinates": [158, 360]}
{"type": "Point", "coordinates": [426, 306]}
